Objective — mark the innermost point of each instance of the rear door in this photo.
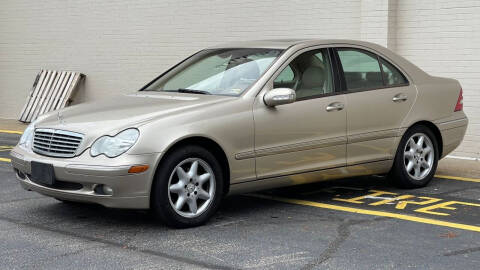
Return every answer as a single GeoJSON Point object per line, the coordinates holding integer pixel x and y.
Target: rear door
{"type": "Point", "coordinates": [378, 98]}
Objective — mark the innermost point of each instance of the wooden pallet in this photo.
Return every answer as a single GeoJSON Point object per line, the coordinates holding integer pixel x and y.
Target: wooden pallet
{"type": "Point", "coordinates": [52, 90]}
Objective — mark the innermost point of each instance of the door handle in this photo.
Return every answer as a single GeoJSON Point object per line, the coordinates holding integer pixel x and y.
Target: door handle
{"type": "Point", "coordinates": [335, 106]}
{"type": "Point", "coordinates": [400, 97]}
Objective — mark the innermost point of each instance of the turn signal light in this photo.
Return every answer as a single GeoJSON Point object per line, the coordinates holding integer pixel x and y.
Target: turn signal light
{"type": "Point", "coordinates": [459, 106]}
{"type": "Point", "coordinates": [138, 169]}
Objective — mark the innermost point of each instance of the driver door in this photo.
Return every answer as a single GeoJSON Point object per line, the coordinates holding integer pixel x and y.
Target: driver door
{"type": "Point", "coordinates": [309, 134]}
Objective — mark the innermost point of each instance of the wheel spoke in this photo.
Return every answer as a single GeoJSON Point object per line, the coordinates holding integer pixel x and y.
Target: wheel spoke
{"type": "Point", "coordinates": [202, 194]}
{"type": "Point", "coordinates": [180, 202]}
{"type": "Point", "coordinates": [417, 170]}
{"type": "Point", "coordinates": [425, 165]}
{"type": "Point", "coordinates": [421, 139]}
{"type": "Point", "coordinates": [203, 178]}
{"type": "Point", "coordinates": [427, 150]}
{"type": "Point", "coordinates": [408, 155]}
{"type": "Point", "coordinates": [177, 188]}
{"type": "Point", "coordinates": [410, 166]}
{"type": "Point", "coordinates": [192, 204]}
{"type": "Point", "coordinates": [412, 144]}
{"type": "Point", "coordinates": [182, 175]}
{"type": "Point", "coordinates": [193, 169]}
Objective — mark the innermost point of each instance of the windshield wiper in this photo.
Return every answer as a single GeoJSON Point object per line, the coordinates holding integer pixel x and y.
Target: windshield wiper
{"type": "Point", "coordinates": [193, 91]}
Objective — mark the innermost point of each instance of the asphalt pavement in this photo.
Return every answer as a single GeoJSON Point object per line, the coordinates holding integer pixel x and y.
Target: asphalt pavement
{"type": "Point", "coordinates": [359, 223]}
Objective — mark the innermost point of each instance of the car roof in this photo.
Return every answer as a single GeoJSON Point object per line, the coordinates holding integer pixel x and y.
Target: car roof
{"type": "Point", "coordinates": [286, 43]}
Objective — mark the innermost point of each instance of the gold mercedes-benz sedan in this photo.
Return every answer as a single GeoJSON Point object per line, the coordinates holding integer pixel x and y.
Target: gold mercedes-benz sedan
{"type": "Point", "coordinates": [243, 117]}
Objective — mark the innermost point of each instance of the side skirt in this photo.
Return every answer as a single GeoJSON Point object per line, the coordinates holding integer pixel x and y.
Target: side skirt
{"type": "Point", "coordinates": [370, 168]}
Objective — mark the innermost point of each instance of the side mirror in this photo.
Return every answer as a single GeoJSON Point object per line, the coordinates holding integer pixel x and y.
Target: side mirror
{"type": "Point", "coordinates": [279, 96]}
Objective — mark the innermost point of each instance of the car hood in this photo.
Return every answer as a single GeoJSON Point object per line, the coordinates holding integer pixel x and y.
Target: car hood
{"type": "Point", "coordinates": [123, 111]}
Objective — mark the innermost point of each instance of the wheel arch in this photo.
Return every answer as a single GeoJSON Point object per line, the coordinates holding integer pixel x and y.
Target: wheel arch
{"type": "Point", "coordinates": [207, 143]}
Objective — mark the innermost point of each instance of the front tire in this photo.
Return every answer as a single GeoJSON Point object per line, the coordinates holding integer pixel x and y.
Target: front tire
{"type": "Point", "coordinates": [416, 158]}
{"type": "Point", "coordinates": [188, 187]}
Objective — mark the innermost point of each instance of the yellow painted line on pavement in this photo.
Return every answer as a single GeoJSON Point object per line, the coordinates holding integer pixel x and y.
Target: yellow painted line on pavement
{"type": "Point", "coordinates": [11, 131]}
{"type": "Point", "coordinates": [5, 160]}
{"type": "Point", "coordinates": [371, 212]}
{"type": "Point", "coordinates": [477, 180]}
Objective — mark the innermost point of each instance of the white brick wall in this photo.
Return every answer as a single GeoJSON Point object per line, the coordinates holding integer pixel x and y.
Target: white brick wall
{"type": "Point", "coordinates": [121, 45]}
{"type": "Point", "coordinates": [375, 23]}
{"type": "Point", "coordinates": [443, 38]}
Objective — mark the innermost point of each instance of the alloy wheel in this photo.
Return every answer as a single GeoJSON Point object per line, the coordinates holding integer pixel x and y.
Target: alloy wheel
{"type": "Point", "coordinates": [418, 156]}
{"type": "Point", "coordinates": [191, 187]}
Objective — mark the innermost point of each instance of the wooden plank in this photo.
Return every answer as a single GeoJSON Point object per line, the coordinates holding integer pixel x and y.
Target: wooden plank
{"type": "Point", "coordinates": [37, 97]}
{"type": "Point", "coordinates": [31, 110]}
{"type": "Point", "coordinates": [62, 76]}
{"type": "Point", "coordinates": [60, 91]}
{"type": "Point", "coordinates": [81, 78]}
{"type": "Point", "coordinates": [64, 91]}
{"type": "Point", "coordinates": [35, 87]}
{"type": "Point", "coordinates": [44, 95]}
{"type": "Point", "coordinates": [68, 98]}
{"type": "Point", "coordinates": [69, 90]}
{"type": "Point", "coordinates": [48, 95]}
{"type": "Point", "coordinates": [33, 92]}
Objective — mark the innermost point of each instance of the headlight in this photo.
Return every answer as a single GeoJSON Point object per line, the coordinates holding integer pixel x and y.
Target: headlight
{"type": "Point", "coordinates": [26, 140]}
{"type": "Point", "coordinates": [116, 145]}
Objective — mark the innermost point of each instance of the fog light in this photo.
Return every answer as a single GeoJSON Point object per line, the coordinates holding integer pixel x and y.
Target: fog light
{"type": "Point", "coordinates": [107, 190]}
{"type": "Point", "coordinates": [103, 190]}
{"type": "Point", "coordinates": [20, 174]}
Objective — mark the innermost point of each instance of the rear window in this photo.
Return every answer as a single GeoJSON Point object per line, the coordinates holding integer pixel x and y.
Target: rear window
{"type": "Point", "coordinates": [361, 69]}
{"type": "Point", "coordinates": [391, 74]}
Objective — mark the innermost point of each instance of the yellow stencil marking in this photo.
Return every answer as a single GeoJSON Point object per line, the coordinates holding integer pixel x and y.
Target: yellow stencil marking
{"type": "Point", "coordinates": [372, 213]}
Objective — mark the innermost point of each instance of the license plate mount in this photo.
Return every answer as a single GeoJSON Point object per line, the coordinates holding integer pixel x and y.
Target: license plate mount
{"type": "Point", "coordinates": [42, 173]}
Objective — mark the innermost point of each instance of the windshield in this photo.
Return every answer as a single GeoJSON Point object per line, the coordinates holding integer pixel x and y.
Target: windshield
{"type": "Point", "coordinates": [217, 72]}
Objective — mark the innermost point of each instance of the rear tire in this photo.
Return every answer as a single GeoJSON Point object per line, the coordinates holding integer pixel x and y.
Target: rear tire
{"type": "Point", "coordinates": [188, 187]}
{"type": "Point", "coordinates": [416, 158]}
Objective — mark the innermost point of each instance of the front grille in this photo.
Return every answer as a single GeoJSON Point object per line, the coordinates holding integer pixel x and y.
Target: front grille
{"type": "Point", "coordinates": [56, 143]}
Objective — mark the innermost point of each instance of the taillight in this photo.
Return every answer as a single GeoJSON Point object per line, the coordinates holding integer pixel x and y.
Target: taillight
{"type": "Point", "coordinates": [459, 106]}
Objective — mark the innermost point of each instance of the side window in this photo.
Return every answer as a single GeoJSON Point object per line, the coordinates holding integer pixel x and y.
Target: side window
{"type": "Point", "coordinates": [285, 79]}
{"type": "Point", "coordinates": [309, 74]}
{"type": "Point", "coordinates": [391, 74]}
{"type": "Point", "coordinates": [361, 69]}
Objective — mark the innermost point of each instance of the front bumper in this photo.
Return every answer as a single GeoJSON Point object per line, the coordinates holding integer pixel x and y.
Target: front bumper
{"type": "Point", "coordinates": [78, 178]}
